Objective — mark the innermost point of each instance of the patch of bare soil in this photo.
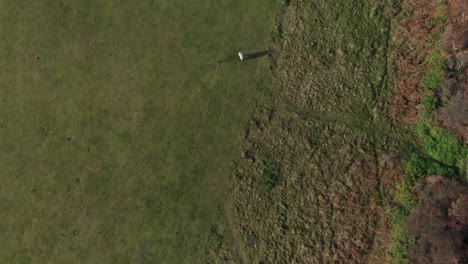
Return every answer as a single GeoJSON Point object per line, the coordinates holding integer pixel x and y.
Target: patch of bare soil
{"type": "Point", "coordinates": [438, 227]}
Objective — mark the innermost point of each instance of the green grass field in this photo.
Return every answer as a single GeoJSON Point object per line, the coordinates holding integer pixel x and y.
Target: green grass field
{"type": "Point", "coordinates": [118, 122]}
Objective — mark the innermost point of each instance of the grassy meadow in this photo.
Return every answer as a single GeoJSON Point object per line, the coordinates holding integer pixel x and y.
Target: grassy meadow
{"type": "Point", "coordinates": [118, 122]}
{"type": "Point", "coordinates": [321, 149]}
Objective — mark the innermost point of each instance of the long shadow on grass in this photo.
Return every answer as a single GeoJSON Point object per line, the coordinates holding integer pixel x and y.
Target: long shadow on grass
{"type": "Point", "coordinates": [256, 54]}
{"type": "Point", "coordinates": [250, 56]}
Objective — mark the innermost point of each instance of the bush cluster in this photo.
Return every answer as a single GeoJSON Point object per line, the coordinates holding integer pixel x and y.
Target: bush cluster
{"type": "Point", "coordinates": [271, 173]}
{"type": "Point", "coordinates": [417, 166]}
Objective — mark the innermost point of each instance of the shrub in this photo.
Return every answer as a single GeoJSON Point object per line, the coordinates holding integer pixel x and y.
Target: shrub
{"type": "Point", "coordinates": [397, 250]}
{"type": "Point", "coordinates": [443, 146]}
{"type": "Point", "coordinates": [455, 114]}
{"type": "Point", "coordinates": [271, 173]}
{"type": "Point", "coordinates": [429, 102]}
{"type": "Point", "coordinates": [438, 227]}
{"type": "Point", "coordinates": [422, 129]}
{"type": "Point", "coordinates": [417, 167]}
{"type": "Point", "coordinates": [436, 168]}
{"type": "Point", "coordinates": [433, 78]}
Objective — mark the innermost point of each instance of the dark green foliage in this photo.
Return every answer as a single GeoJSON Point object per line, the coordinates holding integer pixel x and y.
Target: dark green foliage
{"type": "Point", "coordinates": [443, 146]}
{"type": "Point", "coordinates": [417, 166]}
{"type": "Point", "coordinates": [436, 168]}
{"type": "Point", "coordinates": [397, 249]}
{"type": "Point", "coordinates": [286, 2]}
{"type": "Point", "coordinates": [433, 78]}
{"type": "Point", "coordinates": [430, 102]}
{"type": "Point", "coordinates": [422, 129]}
{"type": "Point", "coordinates": [444, 150]}
{"type": "Point", "coordinates": [271, 173]}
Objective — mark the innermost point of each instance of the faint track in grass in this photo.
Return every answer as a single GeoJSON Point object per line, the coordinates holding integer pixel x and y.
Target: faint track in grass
{"type": "Point", "coordinates": [234, 241]}
{"type": "Point", "coordinates": [330, 89]}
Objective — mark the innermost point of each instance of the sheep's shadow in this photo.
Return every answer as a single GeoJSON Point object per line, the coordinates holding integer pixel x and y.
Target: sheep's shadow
{"type": "Point", "coordinates": [232, 58]}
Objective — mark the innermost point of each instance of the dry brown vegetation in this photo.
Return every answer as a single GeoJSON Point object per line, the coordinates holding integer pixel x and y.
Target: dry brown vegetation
{"type": "Point", "coordinates": [413, 31]}
{"type": "Point", "coordinates": [454, 114]}
{"type": "Point", "coordinates": [455, 38]}
{"type": "Point", "coordinates": [431, 63]}
{"type": "Point", "coordinates": [438, 227]}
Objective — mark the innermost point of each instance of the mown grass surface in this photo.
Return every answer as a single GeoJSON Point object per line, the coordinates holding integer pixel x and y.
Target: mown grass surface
{"type": "Point", "coordinates": [117, 123]}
